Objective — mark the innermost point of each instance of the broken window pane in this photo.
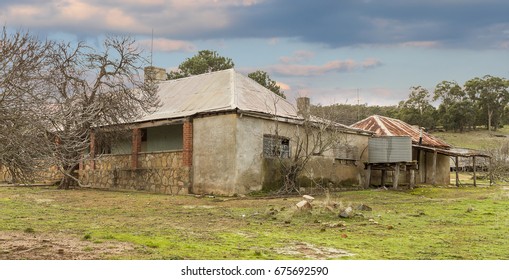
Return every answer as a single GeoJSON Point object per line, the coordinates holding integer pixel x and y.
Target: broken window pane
{"type": "Point", "coordinates": [276, 146]}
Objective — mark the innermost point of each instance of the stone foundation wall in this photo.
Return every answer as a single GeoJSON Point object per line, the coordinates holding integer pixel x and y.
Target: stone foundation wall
{"type": "Point", "coordinates": [157, 172]}
{"type": "Point", "coordinates": [45, 174]}
{"type": "Point", "coordinates": [5, 176]}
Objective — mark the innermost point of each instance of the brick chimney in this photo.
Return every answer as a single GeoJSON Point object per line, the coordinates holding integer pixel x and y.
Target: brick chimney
{"type": "Point", "coordinates": [155, 73]}
{"type": "Point", "coordinates": [303, 105]}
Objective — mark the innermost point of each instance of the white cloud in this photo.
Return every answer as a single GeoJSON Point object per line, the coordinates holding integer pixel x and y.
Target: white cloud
{"type": "Point", "coordinates": [421, 44]}
{"type": "Point", "coordinates": [166, 45]}
{"type": "Point", "coordinates": [283, 86]}
{"type": "Point", "coordinates": [328, 67]}
{"type": "Point", "coordinates": [297, 57]}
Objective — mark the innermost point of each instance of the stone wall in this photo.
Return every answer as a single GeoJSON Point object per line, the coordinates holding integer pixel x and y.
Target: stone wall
{"type": "Point", "coordinates": [45, 173]}
{"type": "Point", "coordinates": [5, 176]}
{"type": "Point", "coordinates": [161, 172]}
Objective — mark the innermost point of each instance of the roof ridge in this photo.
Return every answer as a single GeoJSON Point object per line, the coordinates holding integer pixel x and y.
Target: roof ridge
{"type": "Point", "coordinates": [198, 75]}
{"type": "Point", "coordinates": [382, 125]}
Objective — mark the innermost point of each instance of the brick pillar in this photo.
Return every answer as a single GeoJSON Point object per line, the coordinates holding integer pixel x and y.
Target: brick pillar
{"type": "Point", "coordinates": [92, 150]}
{"type": "Point", "coordinates": [187, 157]}
{"type": "Point", "coordinates": [135, 148]}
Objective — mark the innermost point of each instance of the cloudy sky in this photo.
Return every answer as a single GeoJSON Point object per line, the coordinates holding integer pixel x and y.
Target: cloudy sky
{"type": "Point", "coordinates": [329, 50]}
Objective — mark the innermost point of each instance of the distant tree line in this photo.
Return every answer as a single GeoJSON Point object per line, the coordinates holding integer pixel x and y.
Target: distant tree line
{"type": "Point", "coordinates": [479, 102]}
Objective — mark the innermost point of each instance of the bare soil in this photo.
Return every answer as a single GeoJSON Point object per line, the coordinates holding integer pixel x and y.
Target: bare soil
{"type": "Point", "coordinates": [37, 246]}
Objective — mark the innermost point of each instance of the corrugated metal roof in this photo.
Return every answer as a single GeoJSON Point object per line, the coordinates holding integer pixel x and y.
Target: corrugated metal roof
{"type": "Point", "coordinates": [215, 92]}
{"type": "Point", "coordinates": [384, 126]}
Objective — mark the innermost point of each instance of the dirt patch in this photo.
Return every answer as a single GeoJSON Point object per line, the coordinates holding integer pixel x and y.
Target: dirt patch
{"type": "Point", "coordinates": [312, 251]}
{"type": "Point", "coordinates": [41, 246]}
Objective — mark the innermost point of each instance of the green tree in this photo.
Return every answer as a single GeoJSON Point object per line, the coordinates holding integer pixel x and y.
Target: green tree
{"type": "Point", "coordinates": [456, 111]}
{"type": "Point", "coordinates": [205, 61]}
{"type": "Point", "coordinates": [417, 109]}
{"type": "Point", "coordinates": [491, 95]}
{"type": "Point", "coordinates": [263, 79]}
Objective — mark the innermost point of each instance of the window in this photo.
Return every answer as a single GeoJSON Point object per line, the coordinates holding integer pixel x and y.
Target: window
{"type": "Point", "coordinates": [276, 146]}
{"type": "Point", "coordinates": [162, 138]}
{"type": "Point", "coordinates": [118, 142]}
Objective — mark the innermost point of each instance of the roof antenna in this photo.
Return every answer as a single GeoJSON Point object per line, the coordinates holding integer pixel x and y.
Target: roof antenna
{"type": "Point", "coordinates": [152, 47]}
{"type": "Point", "coordinates": [358, 105]}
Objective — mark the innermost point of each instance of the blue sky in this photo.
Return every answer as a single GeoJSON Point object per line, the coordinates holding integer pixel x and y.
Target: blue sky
{"type": "Point", "coordinates": [328, 50]}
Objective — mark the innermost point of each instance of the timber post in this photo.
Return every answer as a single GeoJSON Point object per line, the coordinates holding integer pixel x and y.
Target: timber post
{"type": "Point", "coordinates": [434, 169]}
{"type": "Point", "coordinates": [395, 176]}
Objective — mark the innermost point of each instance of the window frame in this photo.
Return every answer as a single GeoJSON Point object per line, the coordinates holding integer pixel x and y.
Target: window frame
{"type": "Point", "coordinates": [275, 146]}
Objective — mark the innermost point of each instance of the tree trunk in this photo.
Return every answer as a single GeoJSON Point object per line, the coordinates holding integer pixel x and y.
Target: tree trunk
{"type": "Point", "coordinates": [290, 180]}
{"type": "Point", "coordinates": [69, 180]}
{"type": "Point", "coordinates": [490, 114]}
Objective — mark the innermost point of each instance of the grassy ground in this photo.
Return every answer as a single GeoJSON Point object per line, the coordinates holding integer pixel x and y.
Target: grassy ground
{"type": "Point", "coordinates": [424, 223]}
{"type": "Point", "coordinates": [480, 139]}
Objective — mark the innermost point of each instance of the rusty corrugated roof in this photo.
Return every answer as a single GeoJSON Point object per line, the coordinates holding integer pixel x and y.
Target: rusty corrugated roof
{"type": "Point", "coordinates": [384, 126]}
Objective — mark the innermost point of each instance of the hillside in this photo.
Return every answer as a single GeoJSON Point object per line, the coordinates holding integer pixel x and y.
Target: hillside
{"type": "Point", "coordinates": [479, 139]}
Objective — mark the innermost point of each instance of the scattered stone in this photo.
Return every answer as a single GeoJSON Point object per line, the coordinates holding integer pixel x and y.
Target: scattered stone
{"type": "Point", "coordinates": [60, 251]}
{"type": "Point", "coordinates": [344, 235]}
{"type": "Point", "coordinates": [390, 227]}
{"type": "Point", "coordinates": [322, 229]}
{"type": "Point", "coordinates": [347, 213]}
{"type": "Point", "coordinates": [308, 198]}
{"type": "Point", "coordinates": [335, 225]}
{"type": "Point", "coordinates": [304, 205]}
{"type": "Point", "coordinates": [470, 209]}
{"type": "Point", "coordinates": [359, 215]}
{"type": "Point", "coordinates": [364, 207]}
{"type": "Point", "coordinates": [373, 221]}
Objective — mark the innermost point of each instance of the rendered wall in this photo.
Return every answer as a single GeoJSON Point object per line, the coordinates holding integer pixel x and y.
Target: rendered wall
{"type": "Point", "coordinates": [443, 172]}
{"type": "Point", "coordinates": [214, 154]}
{"type": "Point", "coordinates": [228, 157]}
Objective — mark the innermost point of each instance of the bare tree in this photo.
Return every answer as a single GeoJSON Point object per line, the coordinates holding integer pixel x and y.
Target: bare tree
{"type": "Point", "coordinates": [499, 163]}
{"type": "Point", "coordinates": [22, 60]}
{"type": "Point", "coordinates": [312, 136]}
{"type": "Point", "coordinates": [85, 89]}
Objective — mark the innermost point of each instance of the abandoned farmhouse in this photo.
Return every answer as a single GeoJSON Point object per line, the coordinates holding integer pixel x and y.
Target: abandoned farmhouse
{"type": "Point", "coordinates": [223, 133]}
{"type": "Point", "coordinates": [219, 133]}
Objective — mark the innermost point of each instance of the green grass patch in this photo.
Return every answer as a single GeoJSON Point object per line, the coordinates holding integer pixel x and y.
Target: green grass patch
{"type": "Point", "coordinates": [424, 223]}
{"type": "Point", "coordinates": [480, 139]}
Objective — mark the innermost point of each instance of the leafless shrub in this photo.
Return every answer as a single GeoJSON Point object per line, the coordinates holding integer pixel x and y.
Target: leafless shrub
{"type": "Point", "coordinates": [499, 165]}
